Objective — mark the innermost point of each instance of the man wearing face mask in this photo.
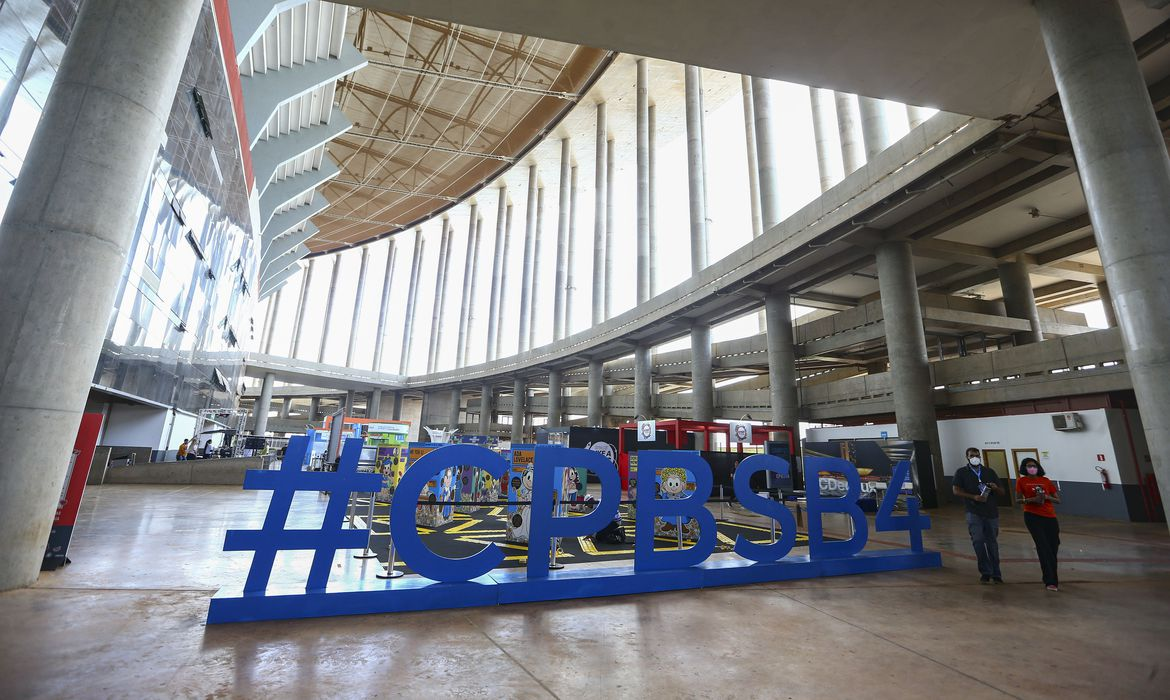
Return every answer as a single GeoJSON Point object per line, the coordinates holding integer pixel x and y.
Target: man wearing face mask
{"type": "Point", "coordinates": [978, 485]}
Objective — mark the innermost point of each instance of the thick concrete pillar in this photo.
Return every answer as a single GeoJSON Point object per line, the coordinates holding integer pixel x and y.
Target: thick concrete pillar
{"type": "Point", "coordinates": [596, 392]}
{"type": "Point", "coordinates": [526, 270]}
{"type": "Point", "coordinates": [350, 403]}
{"type": "Point", "coordinates": [384, 306]}
{"type": "Point", "coordinates": [285, 408]}
{"type": "Point", "coordinates": [411, 303]}
{"type": "Point", "coordinates": [1107, 304]}
{"type": "Point", "coordinates": [824, 116]}
{"type": "Point", "coordinates": [263, 405]}
{"type": "Point", "coordinates": [314, 408]}
{"type": "Point", "coordinates": [767, 139]}
{"type": "Point", "coordinates": [397, 415]}
{"type": "Point", "coordinates": [270, 322]}
{"type": "Point", "coordinates": [702, 392]}
{"type": "Point", "coordinates": [465, 298]}
{"type": "Point", "coordinates": [906, 344]}
{"type": "Point", "coordinates": [696, 168]}
{"type": "Point", "coordinates": [555, 394]}
{"type": "Point", "coordinates": [610, 228]}
{"type": "Point", "coordinates": [456, 407]}
{"type": "Point", "coordinates": [302, 304]}
{"type": "Point", "coordinates": [503, 212]}
{"type": "Point", "coordinates": [562, 265]}
{"type": "Point", "coordinates": [875, 128]}
{"type": "Point", "coordinates": [781, 360]}
{"type": "Point", "coordinates": [571, 257]}
{"type": "Point", "coordinates": [1125, 172]}
{"type": "Point", "coordinates": [519, 401]}
{"type": "Point", "coordinates": [327, 326]}
{"type": "Point", "coordinates": [357, 306]}
{"type": "Point", "coordinates": [534, 298]}
{"type": "Point", "coordinates": [642, 167]}
{"type": "Point", "coordinates": [487, 403]}
{"type": "Point", "coordinates": [374, 408]}
{"type": "Point", "coordinates": [64, 242]}
{"type": "Point", "coordinates": [1019, 300]}
{"type": "Point", "coordinates": [438, 308]}
{"type": "Point", "coordinates": [749, 127]}
{"type": "Point", "coordinates": [849, 131]}
{"type": "Point", "coordinates": [643, 379]}
{"type": "Point", "coordinates": [599, 237]}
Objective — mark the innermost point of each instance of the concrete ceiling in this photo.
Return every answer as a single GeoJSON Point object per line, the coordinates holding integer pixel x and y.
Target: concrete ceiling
{"type": "Point", "coordinates": [979, 58]}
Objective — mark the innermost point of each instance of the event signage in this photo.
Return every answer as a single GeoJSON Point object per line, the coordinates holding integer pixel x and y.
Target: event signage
{"type": "Point", "coordinates": [476, 580]}
{"type": "Point", "coordinates": [740, 431]}
{"type": "Point", "coordinates": [646, 430]}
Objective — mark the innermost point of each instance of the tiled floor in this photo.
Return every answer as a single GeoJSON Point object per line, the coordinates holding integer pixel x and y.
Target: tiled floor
{"type": "Point", "coordinates": [126, 620]}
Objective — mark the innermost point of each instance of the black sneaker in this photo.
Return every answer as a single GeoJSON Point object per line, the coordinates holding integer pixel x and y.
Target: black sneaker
{"type": "Point", "coordinates": [996, 579]}
{"type": "Point", "coordinates": [984, 579]}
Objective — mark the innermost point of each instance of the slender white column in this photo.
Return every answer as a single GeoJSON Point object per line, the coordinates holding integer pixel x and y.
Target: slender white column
{"type": "Point", "coordinates": [652, 119]}
{"type": "Point", "coordinates": [440, 296]}
{"type": "Point", "coordinates": [263, 405]}
{"type": "Point", "coordinates": [327, 326]}
{"type": "Point", "coordinates": [384, 305]}
{"type": "Point", "coordinates": [696, 168]}
{"type": "Point", "coordinates": [498, 250]}
{"type": "Point", "coordinates": [849, 131]}
{"type": "Point", "coordinates": [534, 297]}
{"type": "Point", "coordinates": [642, 148]}
{"type": "Point", "coordinates": [766, 146]}
{"type": "Point", "coordinates": [503, 288]}
{"type": "Point", "coordinates": [562, 242]}
{"type": "Point", "coordinates": [526, 274]}
{"type": "Point", "coordinates": [599, 230]}
{"type": "Point", "coordinates": [749, 127]}
{"type": "Point", "coordinates": [875, 128]}
{"type": "Point", "coordinates": [299, 319]}
{"type": "Point", "coordinates": [824, 115]}
{"type": "Point", "coordinates": [465, 297]}
{"type": "Point", "coordinates": [610, 229]}
{"type": "Point", "coordinates": [472, 296]}
{"type": "Point", "coordinates": [357, 307]}
{"type": "Point", "coordinates": [273, 312]}
{"type": "Point", "coordinates": [570, 278]}
{"type": "Point", "coordinates": [411, 304]}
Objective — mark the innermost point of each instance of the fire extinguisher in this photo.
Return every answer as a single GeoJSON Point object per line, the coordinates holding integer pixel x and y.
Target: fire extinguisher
{"type": "Point", "coordinates": [1105, 483]}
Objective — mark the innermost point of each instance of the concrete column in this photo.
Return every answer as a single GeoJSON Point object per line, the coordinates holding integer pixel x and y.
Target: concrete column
{"type": "Point", "coordinates": [12, 88]}
{"type": "Point", "coordinates": [875, 128]}
{"type": "Point", "coordinates": [263, 405]}
{"type": "Point", "coordinates": [916, 115]}
{"type": "Point", "coordinates": [749, 127]}
{"type": "Point", "coordinates": [906, 344]}
{"type": "Point", "coordinates": [357, 306]}
{"type": "Point", "coordinates": [519, 399]}
{"type": "Point", "coordinates": [599, 237]}
{"type": "Point", "coordinates": [610, 228]}
{"type": "Point", "coordinates": [411, 303]}
{"type": "Point", "coordinates": [702, 391]}
{"type": "Point", "coordinates": [596, 392]}
{"type": "Point", "coordinates": [465, 297]}
{"type": "Point", "coordinates": [437, 307]}
{"type": "Point", "coordinates": [384, 306]}
{"type": "Point", "coordinates": [456, 406]}
{"type": "Point", "coordinates": [824, 117]}
{"type": "Point", "coordinates": [498, 250]}
{"type": "Point", "coordinates": [302, 304]}
{"type": "Point", "coordinates": [526, 271]}
{"type": "Point", "coordinates": [473, 297]}
{"type": "Point", "coordinates": [314, 408]}
{"type": "Point", "coordinates": [643, 378]}
{"type": "Point", "coordinates": [270, 326]}
{"type": "Point", "coordinates": [562, 268]}
{"type": "Point", "coordinates": [555, 417]}
{"type": "Point", "coordinates": [350, 402]}
{"type": "Point", "coordinates": [652, 118]}
{"type": "Point", "coordinates": [535, 299]}
{"type": "Point", "coordinates": [64, 243]}
{"type": "Point", "coordinates": [374, 408]}
{"type": "Point", "coordinates": [285, 408]}
{"type": "Point", "coordinates": [1019, 300]}
{"type": "Point", "coordinates": [487, 404]}
{"type": "Point", "coordinates": [642, 151]}
{"type": "Point", "coordinates": [503, 288]}
{"type": "Point", "coordinates": [781, 360]}
{"type": "Point", "coordinates": [696, 168]}
{"type": "Point", "coordinates": [1107, 304]}
{"type": "Point", "coordinates": [1125, 172]}
{"type": "Point", "coordinates": [571, 257]}
{"type": "Point", "coordinates": [766, 143]}
{"type": "Point", "coordinates": [397, 415]}
{"type": "Point", "coordinates": [849, 132]}
{"type": "Point", "coordinates": [327, 326]}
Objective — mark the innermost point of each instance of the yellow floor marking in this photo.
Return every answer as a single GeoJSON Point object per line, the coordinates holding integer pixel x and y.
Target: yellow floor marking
{"type": "Point", "coordinates": [461, 527]}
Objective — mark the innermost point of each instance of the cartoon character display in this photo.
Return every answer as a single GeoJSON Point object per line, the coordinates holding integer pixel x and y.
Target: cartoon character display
{"type": "Point", "coordinates": [671, 484]}
{"type": "Point", "coordinates": [519, 516]}
{"type": "Point", "coordinates": [440, 489]}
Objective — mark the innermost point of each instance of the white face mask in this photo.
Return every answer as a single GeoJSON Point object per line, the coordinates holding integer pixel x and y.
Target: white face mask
{"type": "Point", "coordinates": [975, 461]}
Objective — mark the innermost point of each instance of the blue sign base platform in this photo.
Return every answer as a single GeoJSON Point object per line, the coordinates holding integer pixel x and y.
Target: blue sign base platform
{"type": "Point", "coordinates": [411, 593]}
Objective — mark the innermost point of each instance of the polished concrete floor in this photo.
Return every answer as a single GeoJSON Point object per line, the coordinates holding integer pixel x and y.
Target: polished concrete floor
{"type": "Point", "coordinates": [125, 619]}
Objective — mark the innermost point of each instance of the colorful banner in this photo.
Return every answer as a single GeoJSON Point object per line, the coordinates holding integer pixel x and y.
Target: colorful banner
{"type": "Point", "coordinates": [71, 491]}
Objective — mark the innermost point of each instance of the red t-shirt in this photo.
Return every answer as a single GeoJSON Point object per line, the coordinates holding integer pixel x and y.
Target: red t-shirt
{"type": "Point", "coordinates": [1026, 486]}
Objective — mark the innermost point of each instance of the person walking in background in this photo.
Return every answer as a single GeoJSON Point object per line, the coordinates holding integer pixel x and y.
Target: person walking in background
{"type": "Point", "coordinates": [978, 485]}
{"type": "Point", "coordinates": [182, 453]}
{"type": "Point", "coordinates": [1038, 494]}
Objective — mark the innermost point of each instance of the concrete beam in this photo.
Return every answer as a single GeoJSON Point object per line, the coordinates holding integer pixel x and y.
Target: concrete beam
{"type": "Point", "coordinates": [273, 152]}
{"type": "Point", "coordinates": [280, 193]}
{"type": "Point", "coordinates": [282, 246]}
{"type": "Point", "coordinates": [286, 221]}
{"type": "Point", "coordinates": [251, 18]}
{"type": "Point", "coordinates": [281, 263]}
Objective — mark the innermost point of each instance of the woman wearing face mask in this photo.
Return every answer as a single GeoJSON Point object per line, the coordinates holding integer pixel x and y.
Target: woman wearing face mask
{"type": "Point", "coordinates": [1038, 494]}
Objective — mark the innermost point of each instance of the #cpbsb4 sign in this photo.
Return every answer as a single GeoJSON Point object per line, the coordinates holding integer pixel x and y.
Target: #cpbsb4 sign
{"type": "Point", "coordinates": [476, 580]}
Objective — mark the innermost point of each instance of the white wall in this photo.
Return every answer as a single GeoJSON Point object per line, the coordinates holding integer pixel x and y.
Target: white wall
{"type": "Point", "coordinates": [135, 426]}
{"type": "Point", "coordinates": [182, 428]}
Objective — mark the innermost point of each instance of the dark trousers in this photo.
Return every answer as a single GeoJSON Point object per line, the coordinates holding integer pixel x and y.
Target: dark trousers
{"type": "Point", "coordinates": [1046, 535]}
{"type": "Point", "coordinates": [985, 538]}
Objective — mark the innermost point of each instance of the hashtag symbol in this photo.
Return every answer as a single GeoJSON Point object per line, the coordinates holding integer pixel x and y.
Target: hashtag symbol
{"type": "Point", "coordinates": [324, 542]}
